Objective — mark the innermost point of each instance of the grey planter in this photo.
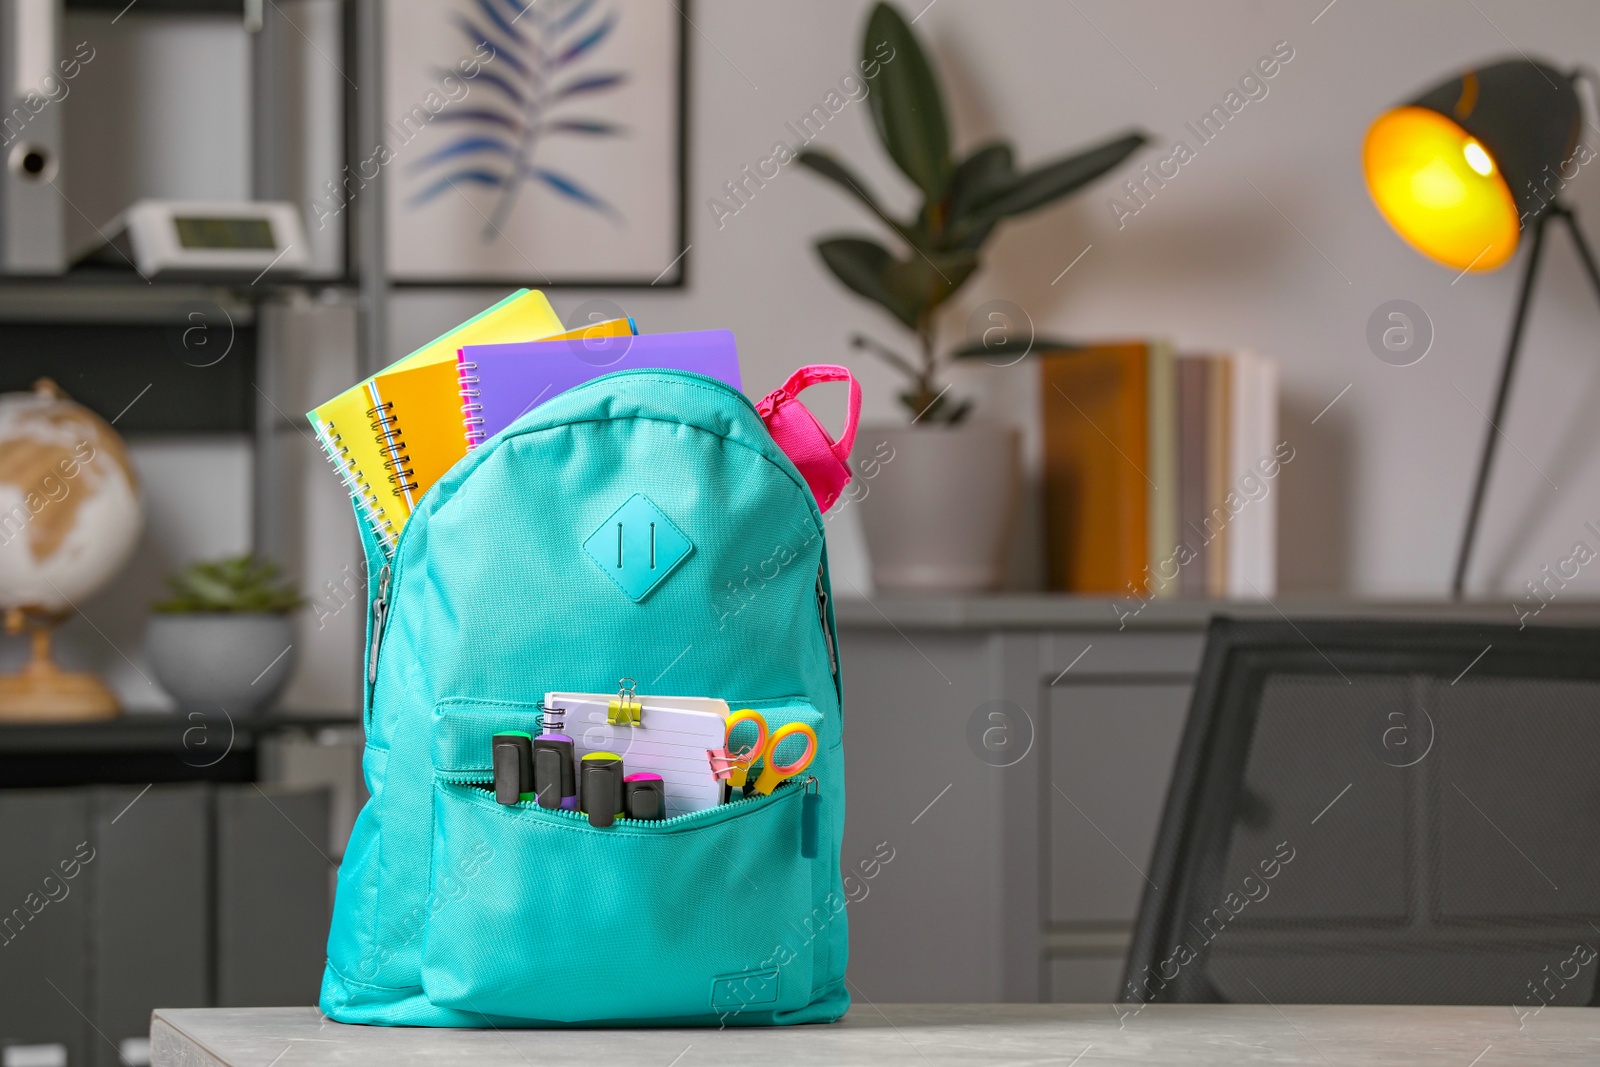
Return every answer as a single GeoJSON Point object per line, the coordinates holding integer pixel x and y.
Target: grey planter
{"type": "Point", "coordinates": [939, 513]}
{"type": "Point", "coordinates": [235, 661]}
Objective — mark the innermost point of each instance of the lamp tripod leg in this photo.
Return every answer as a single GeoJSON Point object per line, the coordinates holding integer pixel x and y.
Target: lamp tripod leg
{"type": "Point", "coordinates": [1530, 272]}
{"type": "Point", "coordinates": [1589, 265]}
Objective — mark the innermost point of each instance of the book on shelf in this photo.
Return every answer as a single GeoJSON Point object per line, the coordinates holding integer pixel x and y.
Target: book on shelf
{"type": "Point", "coordinates": [1096, 466]}
{"type": "Point", "coordinates": [1159, 471]}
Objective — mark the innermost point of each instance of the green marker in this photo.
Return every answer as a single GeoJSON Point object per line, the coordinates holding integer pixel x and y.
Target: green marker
{"type": "Point", "coordinates": [513, 766]}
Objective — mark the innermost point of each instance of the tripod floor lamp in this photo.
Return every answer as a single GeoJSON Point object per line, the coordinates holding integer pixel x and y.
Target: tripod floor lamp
{"type": "Point", "coordinates": [1462, 172]}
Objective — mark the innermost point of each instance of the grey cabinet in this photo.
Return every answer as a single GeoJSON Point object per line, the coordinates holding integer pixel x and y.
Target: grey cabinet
{"type": "Point", "coordinates": [121, 899]}
{"type": "Point", "coordinates": [1019, 774]}
{"type": "Point", "coordinates": [1111, 727]}
{"type": "Point", "coordinates": [919, 928]}
{"type": "Point", "coordinates": [151, 910]}
{"type": "Point", "coordinates": [1015, 752]}
{"type": "Point", "coordinates": [273, 882]}
{"type": "Point", "coordinates": [1110, 750]}
{"type": "Point", "coordinates": [44, 905]}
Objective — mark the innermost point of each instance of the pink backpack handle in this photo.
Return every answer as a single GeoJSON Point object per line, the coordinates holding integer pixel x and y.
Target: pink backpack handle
{"type": "Point", "coordinates": [822, 461]}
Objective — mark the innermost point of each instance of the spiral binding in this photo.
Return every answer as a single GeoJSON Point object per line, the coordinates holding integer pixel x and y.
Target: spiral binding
{"type": "Point", "coordinates": [552, 718]}
{"type": "Point", "coordinates": [391, 443]}
{"type": "Point", "coordinates": [471, 410]}
{"type": "Point", "coordinates": [339, 457]}
{"type": "Point", "coordinates": [382, 416]}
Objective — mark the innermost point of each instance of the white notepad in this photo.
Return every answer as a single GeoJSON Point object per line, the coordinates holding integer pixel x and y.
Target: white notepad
{"type": "Point", "coordinates": [671, 740]}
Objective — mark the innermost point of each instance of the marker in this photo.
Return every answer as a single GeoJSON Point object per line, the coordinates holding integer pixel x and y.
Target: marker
{"type": "Point", "coordinates": [513, 766]}
{"type": "Point", "coordinates": [645, 796]}
{"type": "Point", "coordinates": [554, 781]}
{"type": "Point", "coordinates": [600, 787]}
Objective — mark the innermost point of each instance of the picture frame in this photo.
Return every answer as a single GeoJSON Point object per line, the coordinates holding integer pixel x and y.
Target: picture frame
{"type": "Point", "coordinates": [534, 144]}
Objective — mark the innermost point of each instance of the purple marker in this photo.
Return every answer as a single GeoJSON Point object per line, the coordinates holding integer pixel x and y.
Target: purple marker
{"type": "Point", "coordinates": [555, 781]}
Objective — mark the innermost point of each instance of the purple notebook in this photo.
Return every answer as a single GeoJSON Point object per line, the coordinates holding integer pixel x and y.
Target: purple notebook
{"type": "Point", "coordinates": [501, 383]}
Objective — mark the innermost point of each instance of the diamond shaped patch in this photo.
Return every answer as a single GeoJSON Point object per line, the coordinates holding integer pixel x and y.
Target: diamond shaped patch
{"type": "Point", "coordinates": [638, 546]}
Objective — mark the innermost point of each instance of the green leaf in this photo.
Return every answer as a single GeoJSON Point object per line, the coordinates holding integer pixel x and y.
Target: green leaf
{"type": "Point", "coordinates": [863, 266]}
{"type": "Point", "coordinates": [238, 583]}
{"type": "Point", "coordinates": [906, 103]}
{"type": "Point", "coordinates": [908, 289]}
{"type": "Point", "coordinates": [1042, 185]}
{"type": "Point", "coordinates": [984, 174]}
{"type": "Point", "coordinates": [927, 280]}
{"type": "Point", "coordinates": [1011, 349]}
{"type": "Point", "coordinates": [836, 171]}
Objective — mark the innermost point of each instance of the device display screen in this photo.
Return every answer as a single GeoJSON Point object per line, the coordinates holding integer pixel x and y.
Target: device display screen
{"type": "Point", "coordinates": [196, 232]}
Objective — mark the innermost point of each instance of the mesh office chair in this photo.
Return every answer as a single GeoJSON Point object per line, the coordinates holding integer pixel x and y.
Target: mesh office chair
{"type": "Point", "coordinates": [1366, 812]}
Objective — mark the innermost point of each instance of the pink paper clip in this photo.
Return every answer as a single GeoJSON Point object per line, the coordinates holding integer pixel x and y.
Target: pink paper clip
{"type": "Point", "coordinates": [723, 762]}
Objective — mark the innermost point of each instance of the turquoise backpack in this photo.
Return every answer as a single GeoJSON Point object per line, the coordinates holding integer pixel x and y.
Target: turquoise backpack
{"type": "Point", "coordinates": [455, 910]}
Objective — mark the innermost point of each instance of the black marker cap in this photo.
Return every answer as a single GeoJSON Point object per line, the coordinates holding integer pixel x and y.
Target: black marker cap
{"type": "Point", "coordinates": [646, 796]}
{"type": "Point", "coordinates": [553, 775]}
{"type": "Point", "coordinates": [513, 766]}
{"type": "Point", "coordinates": [600, 788]}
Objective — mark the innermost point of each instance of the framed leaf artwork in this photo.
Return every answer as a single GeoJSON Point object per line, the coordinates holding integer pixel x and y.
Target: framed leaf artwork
{"type": "Point", "coordinates": [536, 142]}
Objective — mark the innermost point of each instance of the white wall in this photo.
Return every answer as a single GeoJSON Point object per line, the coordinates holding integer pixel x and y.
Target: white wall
{"type": "Point", "coordinates": [1373, 503]}
{"type": "Point", "coordinates": [1266, 240]}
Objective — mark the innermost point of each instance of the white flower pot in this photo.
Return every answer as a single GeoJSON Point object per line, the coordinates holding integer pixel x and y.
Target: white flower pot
{"type": "Point", "coordinates": [938, 505]}
{"type": "Point", "coordinates": [236, 661]}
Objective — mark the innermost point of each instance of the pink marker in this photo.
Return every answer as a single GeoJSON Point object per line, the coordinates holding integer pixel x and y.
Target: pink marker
{"type": "Point", "coordinates": [645, 796]}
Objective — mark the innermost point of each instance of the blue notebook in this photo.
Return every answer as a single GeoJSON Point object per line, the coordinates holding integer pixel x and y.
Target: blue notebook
{"type": "Point", "coordinates": [501, 383]}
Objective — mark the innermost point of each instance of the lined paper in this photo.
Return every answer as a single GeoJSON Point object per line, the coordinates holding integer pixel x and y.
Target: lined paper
{"type": "Point", "coordinates": [671, 740]}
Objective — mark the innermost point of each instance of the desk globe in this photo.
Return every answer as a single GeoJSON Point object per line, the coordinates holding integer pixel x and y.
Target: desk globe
{"type": "Point", "coordinates": [69, 518]}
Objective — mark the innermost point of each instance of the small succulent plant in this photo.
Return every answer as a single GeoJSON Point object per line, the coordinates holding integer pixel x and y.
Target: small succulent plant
{"type": "Point", "coordinates": [233, 584]}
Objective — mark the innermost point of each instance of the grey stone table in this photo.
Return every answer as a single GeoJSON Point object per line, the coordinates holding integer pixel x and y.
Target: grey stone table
{"type": "Point", "coordinates": [917, 1035]}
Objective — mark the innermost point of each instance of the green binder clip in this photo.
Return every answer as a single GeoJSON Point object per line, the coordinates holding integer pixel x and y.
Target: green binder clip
{"type": "Point", "coordinates": [624, 710]}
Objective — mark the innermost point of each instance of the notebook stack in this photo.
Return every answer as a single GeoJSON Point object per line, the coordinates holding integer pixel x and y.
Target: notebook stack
{"type": "Point", "coordinates": [502, 382]}
{"type": "Point", "coordinates": [394, 436]}
{"type": "Point", "coordinates": [1161, 471]}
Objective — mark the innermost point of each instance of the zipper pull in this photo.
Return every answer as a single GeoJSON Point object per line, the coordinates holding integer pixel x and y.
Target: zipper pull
{"type": "Point", "coordinates": [822, 617]}
{"type": "Point", "coordinates": [810, 818]}
{"type": "Point", "coordinates": [380, 611]}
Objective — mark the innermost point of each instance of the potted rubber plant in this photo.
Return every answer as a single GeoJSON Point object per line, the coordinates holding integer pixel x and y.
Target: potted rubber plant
{"type": "Point", "coordinates": [940, 491]}
{"type": "Point", "coordinates": [223, 638]}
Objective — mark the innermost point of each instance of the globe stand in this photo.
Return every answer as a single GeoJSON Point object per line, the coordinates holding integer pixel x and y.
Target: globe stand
{"type": "Point", "coordinates": [42, 691]}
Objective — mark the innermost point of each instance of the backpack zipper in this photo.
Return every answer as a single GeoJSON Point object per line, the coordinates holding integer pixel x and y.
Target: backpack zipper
{"type": "Point", "coordinates": [380, 603]}
{"type": "Point", "coordinates": [827, 631]}
{"type": "Point", "coordinates": [380, 611]}
{"type": "Point", "coordinates": [722, 812]}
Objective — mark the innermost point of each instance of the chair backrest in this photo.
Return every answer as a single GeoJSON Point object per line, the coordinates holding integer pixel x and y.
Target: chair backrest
{"type": "Point", "coordinates": [1381, 812]}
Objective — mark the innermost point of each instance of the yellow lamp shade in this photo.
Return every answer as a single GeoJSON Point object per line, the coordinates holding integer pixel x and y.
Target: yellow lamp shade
{"type": "Point", "coordinates": [1440, 189]}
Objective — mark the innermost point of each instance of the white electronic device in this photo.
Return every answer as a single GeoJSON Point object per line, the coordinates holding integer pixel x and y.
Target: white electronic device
{"type": "Point", "coordinates": [204, 239]}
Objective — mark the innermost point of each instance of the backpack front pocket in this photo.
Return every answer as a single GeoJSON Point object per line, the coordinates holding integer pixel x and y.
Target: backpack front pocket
{"type": "Point", "coordinates": [536, 915]}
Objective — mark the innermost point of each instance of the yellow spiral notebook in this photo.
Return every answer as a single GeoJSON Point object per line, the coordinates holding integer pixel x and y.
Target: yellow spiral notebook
{"type": "Point", "coordinates": [417, 420]}
{"type": "Point", "coordinates": [352, 435]}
